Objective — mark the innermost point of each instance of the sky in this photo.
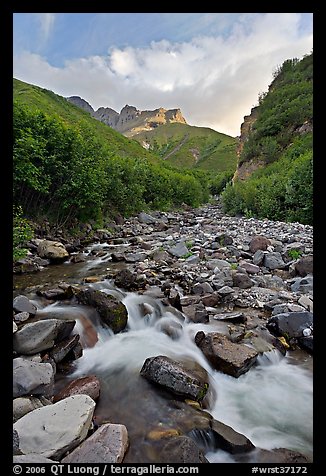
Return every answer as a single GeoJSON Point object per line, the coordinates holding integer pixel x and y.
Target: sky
{"type": "Point", "coordinates": [210, 65]}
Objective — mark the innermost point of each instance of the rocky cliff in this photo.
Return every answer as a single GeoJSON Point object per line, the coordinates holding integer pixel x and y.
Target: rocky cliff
{"type": "Point", "coordinates": [131, 121]}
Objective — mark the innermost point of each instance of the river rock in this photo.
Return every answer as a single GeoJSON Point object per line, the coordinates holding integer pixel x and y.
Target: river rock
{"type": "Point", "coordinates": [307, 343]}
{"type": "Point", "coordinates": [274, 260]}
{"type": "Point", "coordinates": [24, 405]}
{"type": "Point", "coordinates": [202, 288]}
{"type": "Point", "coordinates": [290, 324]}
{"type": "Point", "coordinates": [128, 280]}
{"type": "Point", "coordinates": [41, 335]}
{"type": "Point", "coordinates": [197, 313]}
{"type": "Point", "coordinates": [21, 317]}
{"type": "Point", "coordinates": [181, 449]}
{"type": "Point", "coordinates": [53, 430]}
{"type": "Point", "coordinates": [107, 445]}
{"type": "Point", "coordinates": [279, 456]}
{"type": "Point", "coordinates": [14, 327]}
{"type": "Point", "coordinates": [304, 265]}
{"type": "Point", "coordinates": [32, 378]}
{"type": "Point", "coordinates": [61, 349]}
{"type": "Point", "coordinates": [236, 317]}
{"type": "Point", "coordinates": [259, 242]}
{"type": "Point", "coordinates": [146, 218]}
{"type": "Point", "coordinates": [175, 377]}
{"type": "Point", "coordinates": [23, 304]}
{"type": "Point", "coordinates": [56, 293]}
{"type": "Point", "coordinates": [112, 312]}
{"type": "Point", "coordinates": [226, 356]}
{"type": "Point", "coordinates": [89, 385]}
{"type": "Point", "coordinates": [230, 440]}
{"type": "Point", "coordinates": [52, 250]}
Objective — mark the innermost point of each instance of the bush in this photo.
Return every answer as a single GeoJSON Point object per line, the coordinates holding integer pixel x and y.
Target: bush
{"type": "Point", "coordinates": [22, 233]}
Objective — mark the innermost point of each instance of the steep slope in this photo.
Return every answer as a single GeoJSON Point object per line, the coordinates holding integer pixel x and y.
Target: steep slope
{"type": "Point", "coordinates": [50, 103]}
{"type": "Point", "coordinates": [193, 147]}
{"type": "Point", "coordinates": [275, 161]}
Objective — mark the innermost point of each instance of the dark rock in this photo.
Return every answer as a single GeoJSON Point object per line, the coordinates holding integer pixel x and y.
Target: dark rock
{"type": "Point", "coordinates": [61, 349]}
{"type": "Point", "coordinates": [23, 304]}
{"type": "Point", "coordinates": [226, 356]}
{"type": "Point", "coordinates": [112, 312]}
{"type": "Point", "coordinates": [202, 288]}
{"type": "Point", "coordinates": [89, 385]}
{"type": "Point", "coordinates": [178, 250]}
{"type": "Point", "coordinates": [75, 353]}
{"type": "Point", "coordinates": [15, 443]}
{"type": "Point", "coordinates": [181, 449]}
{"type": "Point", "coordinates": [211, 300]}
{"type": "Point", "coordinates": [26, 266]}
{"type": "Point", "coordinates": [78, 258]}
{"type": "Point", "coordinates": [174, 299]}
{"type": "Point", "coordinates": [56, 293]}
{"type": "Point", "coordinates": [175, 377]}
{"type": "Point", "coordinates": [249, 267]}
{"type": "Point", "coordinates": [197, 313]}
{"type": "Point", "coordinates": [279, 455]}
{"type": "Point", "coordinates": [161, 255]}
{"type": "Point", "coordinates": [304, 266]}
{"type": "Point", "coordinates": [125, 279]}
{"type": "Point", "coordinates": [242, 281]}
{"type": "Point", "coordinates": [223, 239]}
{"type": "Point", "coordinates": [259, 242]}
{"type": "Point", "coordinates": [274, 260]}
{"type": "Point", "coordinates": [41, 335]}
{"type": "Point", "coordinates": [307, 343]}
{"type": "Point", "coordinates": [258, 258]}
{"type": "Point", "coordinates": [290, 324]}
{"type": "Point", "coordinates": [147, 219]}
{"type": "Point", "coordinates": [230, 440]}
{"type": "Point", "coordinates": [116, 257]}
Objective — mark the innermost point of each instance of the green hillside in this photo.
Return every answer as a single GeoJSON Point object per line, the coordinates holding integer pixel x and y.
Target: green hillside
{"type": "Point", "coordinates": [192, 147]}
{"type": "Point", "coordinates": [68, 167]}
{"type": "Point", "coordinates": [274, 178]}
{"type": "Point", "coordinates": [52, 104]}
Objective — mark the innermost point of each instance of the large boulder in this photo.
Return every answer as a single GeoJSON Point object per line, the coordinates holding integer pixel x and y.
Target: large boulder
{"type": "Point", "coordinates": [112, 312]}
{"type": "Point", "coordinates": [52, 250]}
{"type": "Point", "coordinates": [224, 355]}
{"type": "Point", "coordinates": [274, 260]}
{"type": "Point", "coordinates": [32, 378]}
{"type": "Point", "coordinates": [53, 430]}
{"type": "Point", "coordinates": [107, 445]}
{"type": "Point", "coordinates": [178, 250]}
{"type": "Point", "coordinates": [175, 377]}
{"type": "Point", "coordinates": [305, 265]}
{"type": "Point", "coordinates": [41, 335]}
{"type": "Point", "coordinates": [259, 242]}
{"type": "Point", "coordinates": [230, 440]}
{"type": "Point", "coordinates": [23, 304]}
{"type": "Point", "coordinates": [89, 385]}
{"type": "Point", "coordinates": [181, 449]}
{"type": "Point", "coordinates": [197, 313]}
{"type": "Point", "coordinates": [242, 281]}
{"type": "Point", "coordinates": [23, 405]}
{"type": "Point", "coordinates": [290, 324]}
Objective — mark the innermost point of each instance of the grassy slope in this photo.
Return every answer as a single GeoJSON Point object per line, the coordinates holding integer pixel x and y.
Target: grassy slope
{"type": "Point", "coordinates": [181, 143]}
{"type": "Point", "coordinates": [52, 104]}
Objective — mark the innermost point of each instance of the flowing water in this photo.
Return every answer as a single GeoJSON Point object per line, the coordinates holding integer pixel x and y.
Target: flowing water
{"type": "Point", "coordinates": [271, 404]}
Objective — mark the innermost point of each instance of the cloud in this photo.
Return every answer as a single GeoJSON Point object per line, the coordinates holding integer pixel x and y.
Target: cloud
{"type": "Point", "coordinates": [46, 21]}
{"type": "Point", "coordinates": [215, 80]}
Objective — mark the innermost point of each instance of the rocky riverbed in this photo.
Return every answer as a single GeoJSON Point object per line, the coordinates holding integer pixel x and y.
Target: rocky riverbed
{"type": "Point", "coordinates": [197, 300]}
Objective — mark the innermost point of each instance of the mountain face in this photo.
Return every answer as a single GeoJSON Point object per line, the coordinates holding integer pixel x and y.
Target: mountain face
{"type": "Point", "coordinates": [130, 121]}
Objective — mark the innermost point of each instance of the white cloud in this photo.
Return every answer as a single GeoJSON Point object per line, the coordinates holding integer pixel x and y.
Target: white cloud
{"type": "Point", "coordinates": [214, 80]}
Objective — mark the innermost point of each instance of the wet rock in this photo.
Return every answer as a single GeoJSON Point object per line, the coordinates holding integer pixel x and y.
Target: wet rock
{"type": "Point", "coordinates": [307, 343]}
{"type": "Point", "coordinates": [305, 265]}
{"type": "Point", "coordinates": [178, 250]}
{"type": "Point", "coordinates": [89, 385]}
{"type": "Point", "coordinates": [24, 405]}
{"type": "Point", "coordinates": [226, 356]}
{"type": "Point", "coordinates": [160, 433]}
{"type": "Point", "coordinates": [32, 378]}
{"type": "Point", "coordinates": [230, 440]}
{"type": "Point", "coordinates": [259, 242]}
{"type": "Point", "coordinates": [125, 279]}
{"type": "Point", "coordinates": [21, 317]}
{"type": "Point", "coordinates": [290, 324]}
{"type": "Point", "coordinates": [23, 304]}
{"type": "Point", "coordinates": [61, 349]}
{"type": "Point", "coordinates": [197, 313]}
{"type": "Point", "coordinates": [274, 260]}
{"type": "Point", "coordinates": [116, 257]}
{"type": "Point", "coordinates": [174, 299]}
{"type": "Point", "coordinates": [78, 258]}
{"type": "Point", "coordinates": [26, 266]}
{"type": "Point", "coordinates": [107, 445]}
{"type": "Point", "coordinates": [76, 352]}
{"type": "Point", "coordinates": [279, 455]}
{"type": "Point", "coordinates": [52, 250]}
{"type": "Point", "coordinates": [56, 293]}
{"type": "Point", "coordinates": [242, 281]}
{"type": "Point", "coordinates": [112, 312]}
{"type": "Point", "coordinates": [175, 377]}
{"type": "Point", "coordinates": [41, 335]}
{"type": "Point", "coordinates": [53, 430]}
{"type": "Point", "coordinates": [181, 449]}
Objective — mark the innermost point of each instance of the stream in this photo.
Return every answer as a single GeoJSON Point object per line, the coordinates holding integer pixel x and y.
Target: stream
{"type": "Point", "coordinates": [271, 404]}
